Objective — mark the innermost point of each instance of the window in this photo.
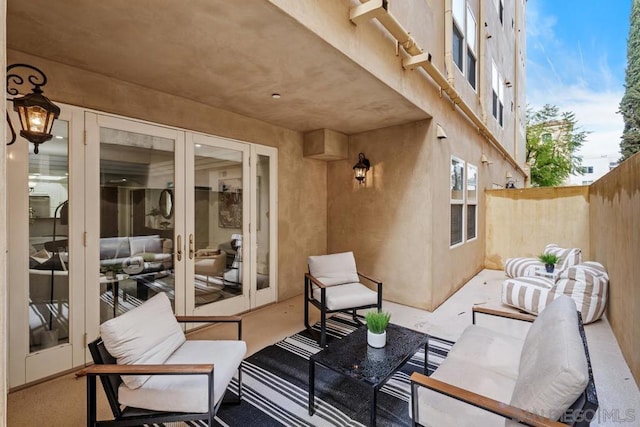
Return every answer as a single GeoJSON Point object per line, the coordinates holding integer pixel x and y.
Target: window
{"type": "Point", "coordinates": [457, 200]}
{"type": "Point", "coordinates": [464, 201]}
{"type": "Point", "coordinates": [546, 137]}
{"type": "Point", "coordinates": [471, 48]}
{"type": "Point", "coordinates": [587, 169]}
{"type": "Point", "coordinates": [464, 40]}
{"type": "Point", "coordinates": [472, 201]}
{"type": "Point", "coordinates": [498, 94]}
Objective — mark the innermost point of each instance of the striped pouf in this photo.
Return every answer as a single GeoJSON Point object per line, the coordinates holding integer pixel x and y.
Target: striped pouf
{"type": "Point", "coordinates": [531, 294]}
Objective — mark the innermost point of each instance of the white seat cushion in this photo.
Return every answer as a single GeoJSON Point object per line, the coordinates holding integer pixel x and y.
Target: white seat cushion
{"type": "Point", "coordinates": [188, 393]}
{"type": "Point", "coordinates": [437, 410]}
{"type": "Point", "coordinates": [488, 349]}
{"type": "Point", "coordinates": [553, 366]}
{"type": "Point", "coordinates": [334, 269]}
{"type": "Point", "coordinates": [146, 335]}
{"type": "Point", "coordinates": [347, 296]}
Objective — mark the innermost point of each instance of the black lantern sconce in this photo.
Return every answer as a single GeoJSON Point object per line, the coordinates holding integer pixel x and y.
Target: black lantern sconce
{"type": "Point", "coordinates": [361, 168]}
{"type": "Point", "coordinates": [36, 112]}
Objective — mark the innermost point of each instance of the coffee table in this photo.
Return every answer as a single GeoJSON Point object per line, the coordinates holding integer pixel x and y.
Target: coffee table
{"type": "Point", "coordinates": [353, 358]}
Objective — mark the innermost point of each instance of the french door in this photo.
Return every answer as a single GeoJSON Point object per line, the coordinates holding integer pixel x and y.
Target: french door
{"type": "Point", "coordinates": [113, 211]}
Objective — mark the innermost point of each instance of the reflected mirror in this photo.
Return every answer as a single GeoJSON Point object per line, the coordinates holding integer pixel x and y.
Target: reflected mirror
{"type": "Point", "coordinates": [165, 203]}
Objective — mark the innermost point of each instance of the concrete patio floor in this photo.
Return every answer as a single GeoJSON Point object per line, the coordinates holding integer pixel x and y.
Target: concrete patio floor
{"type": "Point", "coordinates": [61, 401]}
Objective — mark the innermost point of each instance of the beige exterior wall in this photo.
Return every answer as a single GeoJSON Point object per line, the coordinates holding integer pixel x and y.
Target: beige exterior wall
{"type": "Point", "coordinates": [301, 182]}
{"type": "Point", "coordinates": [520, 222]}
{"type": "Point", "coordinates": [371, 46]}
{"type": "Point", "coordinates": [615, 242]}
{"type": "Point", "coordinates": [398, 222]}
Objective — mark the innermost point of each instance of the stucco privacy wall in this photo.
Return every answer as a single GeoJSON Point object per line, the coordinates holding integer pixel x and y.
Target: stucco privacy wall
{"type": "Point", "coordinates": [520, 222]}
{"type": "Point", "coordinates": [615, 242]}
{"type": "Point", "coordinates": [301, 182]}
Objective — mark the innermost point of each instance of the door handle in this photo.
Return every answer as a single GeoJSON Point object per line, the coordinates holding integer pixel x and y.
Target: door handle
{"type": "Point", "coordinates": [190, 246]}
{"type": "Point", "coordinates": [179, 246]}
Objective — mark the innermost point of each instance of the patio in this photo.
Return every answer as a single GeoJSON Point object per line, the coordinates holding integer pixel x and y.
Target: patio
{"type": "Point", "coordinates": [61, 401]}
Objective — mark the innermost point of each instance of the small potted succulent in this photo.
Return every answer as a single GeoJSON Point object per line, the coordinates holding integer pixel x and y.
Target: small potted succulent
{"type": "Point", "coordinates": [549, 261]}
{"type": "Point", "coordinates": [377, 322]}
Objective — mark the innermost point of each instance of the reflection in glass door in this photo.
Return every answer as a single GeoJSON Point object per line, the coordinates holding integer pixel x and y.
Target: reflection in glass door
{"type": "Point", "coordinates": [217, 242]}
{"type": "Point", "coordinates": [136, 219]}
{"type": "Point", "coordinates": [49, 242]}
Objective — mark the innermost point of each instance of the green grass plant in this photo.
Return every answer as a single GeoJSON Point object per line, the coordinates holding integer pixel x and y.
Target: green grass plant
{"type": "Point", "coordinates": [377, 321]}
{"type": "Point", "coordinates": [548, 259]}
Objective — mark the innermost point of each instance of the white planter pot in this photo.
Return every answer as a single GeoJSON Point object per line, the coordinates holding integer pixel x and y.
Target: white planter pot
{"type": "Point", "coordinates": [376, 340]}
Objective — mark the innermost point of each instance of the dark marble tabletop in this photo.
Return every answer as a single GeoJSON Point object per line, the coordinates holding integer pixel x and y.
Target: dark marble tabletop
{"type": "Point", "coordinates": [351, 356]}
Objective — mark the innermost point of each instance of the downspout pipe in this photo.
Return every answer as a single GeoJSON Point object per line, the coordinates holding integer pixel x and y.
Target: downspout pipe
{"type": "Point", "coordinates": [378, 9]}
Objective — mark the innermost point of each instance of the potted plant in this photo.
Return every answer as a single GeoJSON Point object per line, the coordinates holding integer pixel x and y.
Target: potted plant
{"type": "Point", "coordinates": [377, 322]}
{"type": "Point", "coordinates": [549, 261]}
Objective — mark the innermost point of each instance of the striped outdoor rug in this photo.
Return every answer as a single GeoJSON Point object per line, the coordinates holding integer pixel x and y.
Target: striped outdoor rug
{"type": "Point", "coordinates": [275, 386]}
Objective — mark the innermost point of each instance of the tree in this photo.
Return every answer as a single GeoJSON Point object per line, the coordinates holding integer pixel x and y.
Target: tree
{"type": "Point", "coordinates": [553, 139]}
{"type": "Point", "coordinates": [630, 104]}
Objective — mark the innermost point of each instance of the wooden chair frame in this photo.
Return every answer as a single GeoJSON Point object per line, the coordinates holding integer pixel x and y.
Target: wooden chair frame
{"type": "Point", "coordinates": [579, 414]}
{"type": "Point", "coordinates": [309, 283]}
{"type": "Point", "coordinates": [110, 373]}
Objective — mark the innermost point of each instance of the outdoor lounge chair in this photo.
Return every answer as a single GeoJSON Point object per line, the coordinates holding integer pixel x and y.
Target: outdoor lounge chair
{"type": "Point", "coordinates": [333, 285]}
{"type": "Point", "coordinates": [519, 267]}
{"type": "Point", "coordinates": [151, 374]}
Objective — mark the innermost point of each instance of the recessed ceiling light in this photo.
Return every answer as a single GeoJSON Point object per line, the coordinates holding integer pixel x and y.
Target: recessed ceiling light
{"type": "Point", "coordinates": [275, 95]}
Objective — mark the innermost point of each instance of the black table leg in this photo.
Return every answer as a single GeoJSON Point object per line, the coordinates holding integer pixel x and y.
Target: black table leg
{"type": "Point", "coordinates": [426, 357]}
{"type": "Point", "coordinates": [312, 385]}
{"type": "Point", "coordinates": [374, 404]}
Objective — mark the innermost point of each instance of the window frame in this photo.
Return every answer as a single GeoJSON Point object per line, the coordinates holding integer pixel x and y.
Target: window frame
{"type": "Point", "coordinates": [497, 98]}
{"type": "Point", "coordinates": [465, 55]}
{"type": "Point", "coordinates": [471, 201]}
{"type": "Point", "coordinates": [457, 201]}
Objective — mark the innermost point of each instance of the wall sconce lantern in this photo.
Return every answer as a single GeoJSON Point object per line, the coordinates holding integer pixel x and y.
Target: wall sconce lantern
{"type": "Point", "coordinates": [361, 168]}
{"type": "Point", "coordinates": [36, 112]}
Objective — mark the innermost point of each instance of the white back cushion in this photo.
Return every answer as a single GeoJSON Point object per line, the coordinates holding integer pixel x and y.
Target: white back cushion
{"type": "Point", "coordinates": [553, 367]}
{"type": "Point", "coordinates": [146, 335]}
{"type": "Point", "coordinates": [334, 269]}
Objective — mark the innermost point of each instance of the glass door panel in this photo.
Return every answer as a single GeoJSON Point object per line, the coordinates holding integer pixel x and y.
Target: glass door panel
{"type": "Point", "coordinates": [49, 242]}
{"type": "Point", "coordinates": [136, 219]}
{"type": "Point", "coordinates": [217, 242]}
{"type": "Point", "coordinates": [264, 225]}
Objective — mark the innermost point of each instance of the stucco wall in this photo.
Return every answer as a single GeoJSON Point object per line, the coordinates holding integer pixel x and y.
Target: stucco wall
{"type": "Point", "coordinates": [520, 222]}
{"type": "Point", "coordinates": [301, 182]}
{"type": "Point", "coordinates": [615, 242]}
{"type": "Point", "coordinates": [398, 222]}
{"type": "Point", "coordinates": [386, 220]}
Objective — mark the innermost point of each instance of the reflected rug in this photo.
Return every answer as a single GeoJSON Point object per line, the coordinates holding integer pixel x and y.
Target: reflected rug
{"type": "Point", "coordinates": [275, 386]}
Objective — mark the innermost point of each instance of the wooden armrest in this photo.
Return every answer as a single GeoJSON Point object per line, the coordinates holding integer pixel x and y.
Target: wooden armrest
{"type": "Point", "coordinates": [483, 402]}
{"type": "Point", "coordinates": [211, 319]}
{"type": "Point", "coordinates": [369, 278]}
{"type": "Point", "coordinates": [525, 317]}
{"type": "Point", "coordinates": [113, 369]}
{"type": "Point", "coordinates": [214, 319]}
{"type": "Point", "coordinates": [314, 280]}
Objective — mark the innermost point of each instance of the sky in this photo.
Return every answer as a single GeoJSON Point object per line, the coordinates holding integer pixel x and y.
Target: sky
{"type": "Point", "coordinates": [576, 60]}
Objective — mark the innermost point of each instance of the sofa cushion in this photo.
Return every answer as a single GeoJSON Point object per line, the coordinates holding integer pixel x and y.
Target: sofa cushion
{"type": "Point", "coordinates": [528, 293]}
{"type": "Point", "coordinates": [436, 410]}
{"type": "Point", "coordinates": [489, 350]}
{"type": "Point", "coordinates": [114, 247]}
{"type": "Point", "coordinates": [145, 244]}
{"type": "Point", "coordinates": [334, 269]}
{"type": "Point", "coordinates": [566, 256]}
{"type": "Point", "coordinates": [553, 366]}
{"type": "Point", "coordinates": [347, 296]}
{"type": "Point", "coordinates": [148, 334]}
{"type": "Point", "coordinates": [188, 393]}
{"type": "Point", "coordinates": [587, 284]}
